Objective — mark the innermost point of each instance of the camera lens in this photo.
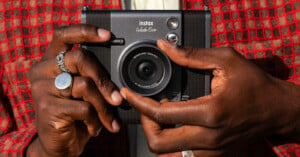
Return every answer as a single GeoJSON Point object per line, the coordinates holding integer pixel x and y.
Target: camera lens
{"type": "Point", "coordinates": [145, 69]}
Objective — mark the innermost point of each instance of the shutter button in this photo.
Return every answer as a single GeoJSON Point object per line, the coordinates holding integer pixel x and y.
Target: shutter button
{"type": "Point", "coordinates": [172, 38]}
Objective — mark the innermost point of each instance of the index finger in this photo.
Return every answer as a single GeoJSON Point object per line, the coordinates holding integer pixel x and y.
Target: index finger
{"type": "Point", "coordinates": [186, 137]}
{"type": "Point", "coordinates": [192, 112]}
{"type": "Point", "coordinates": [81, 62]}
{"type": "Point", "coordinates": [65, 37]}
{"type": "Point", "coordinates": [196, 58]}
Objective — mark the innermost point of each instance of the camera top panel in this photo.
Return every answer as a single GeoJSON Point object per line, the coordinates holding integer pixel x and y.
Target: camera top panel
{"type": "Point", "coordinates": [138, 25]}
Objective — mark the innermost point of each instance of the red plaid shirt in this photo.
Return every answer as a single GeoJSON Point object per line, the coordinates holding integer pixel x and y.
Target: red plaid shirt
{"type": "Point", "coordinates": [265, 31]}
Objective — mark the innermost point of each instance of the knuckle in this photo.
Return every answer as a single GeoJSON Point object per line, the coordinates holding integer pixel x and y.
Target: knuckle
{"type": "Point", "coordinates": [228, 52]}
{"type": "Point", "coordinates": [154, 145]}
{"type": "Point", "coordinates": [215, 117]}
{"type": "Point", "coordinates": [79, 54]}
{"type": "Point", "coordinates": [82, 87]}
{"type": "Point", "coordinates": [39, 88]}
{"type": "Point", "coordinates": [86, 109]}
{"type": "Point", "coordinates": [80, 57]}
{"type": "Point", "coordinates": [40, 96]}
{"type": "Point", "coordinates": [216, 113]}
{"type": "Point", "coordinates": [58, 32]}
{"type": "Point", "coordinates": [85, 83]}
{"type": "Point", "coordinates": [83, 31]}
{"type": "Point", "coordinates": [157, 115]}
{"type": "Point", "coordinates": [33, 71]}
{"type": "Point", "coordinates": [230, 49]}
{"type": "Point", "coordinates": [190, 52]}
{"type": "Point", "coordinates": [214, 140]}
{"type": "Point", "coordinates": [104, 82]}
{"type": "Point", "coordinates": [43, 105]}
{"type": "Point", "coordinates": [36, 86]}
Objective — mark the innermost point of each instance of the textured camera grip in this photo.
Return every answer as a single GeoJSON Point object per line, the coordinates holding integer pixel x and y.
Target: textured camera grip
{"type": "Point", "coordinates": [99, 19]}
{"type": "Point", "coordinates": [194, 82]}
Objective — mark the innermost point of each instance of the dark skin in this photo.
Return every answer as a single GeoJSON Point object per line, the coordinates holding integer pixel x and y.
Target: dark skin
{"type": "Point", "coordinates": [245, 103]}
{"type": "Point", "coordinates": [66, 120]}
{"type": "Point", "coordinates": [235, 111]}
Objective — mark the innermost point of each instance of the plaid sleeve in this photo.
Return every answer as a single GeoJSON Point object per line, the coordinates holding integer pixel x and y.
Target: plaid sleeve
{"type": "Point", "coordinates": [15, 143]}
{"type": "Point", "coordinates": [284, 147]}
{"type": "Point", "coordinates": [15, 132]}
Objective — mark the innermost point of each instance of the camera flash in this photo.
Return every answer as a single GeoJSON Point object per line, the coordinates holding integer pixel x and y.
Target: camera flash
{"type": "Point", "coordinates": [173, 23]}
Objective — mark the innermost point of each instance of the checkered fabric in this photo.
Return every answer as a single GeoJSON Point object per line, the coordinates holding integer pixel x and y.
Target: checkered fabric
{"type": "Point", "coordinates": [265, 31]}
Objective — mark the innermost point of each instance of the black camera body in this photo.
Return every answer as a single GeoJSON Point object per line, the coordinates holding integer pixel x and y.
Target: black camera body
{"type": "Point", "coordinates": [133, 59]}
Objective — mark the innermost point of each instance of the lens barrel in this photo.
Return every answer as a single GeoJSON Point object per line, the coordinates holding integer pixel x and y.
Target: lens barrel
{"type": "Point", "coordinates": [144, 68]}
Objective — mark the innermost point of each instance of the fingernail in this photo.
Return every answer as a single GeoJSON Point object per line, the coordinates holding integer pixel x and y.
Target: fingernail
{"type": "Point", "coordinates": [123, 94]}
{"type": "Point", "coordinates": [167, 44]}
{"type": "Point", "coordinates": [116, 97]}
{"type": "Point", "coordinates": [102, 33]}
{"type": "Point", "coordinates": [115, 125]}
{"type": "Point", "coordinates": [98, 132]}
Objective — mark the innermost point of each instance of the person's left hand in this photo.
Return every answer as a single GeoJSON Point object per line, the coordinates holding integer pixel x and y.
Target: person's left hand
{"type": "Point", "coordinates": [245, 103]}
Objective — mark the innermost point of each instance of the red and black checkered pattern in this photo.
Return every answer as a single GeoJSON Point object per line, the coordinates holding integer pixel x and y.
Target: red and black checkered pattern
{"type": "Point", "coordinates": [265, 31]}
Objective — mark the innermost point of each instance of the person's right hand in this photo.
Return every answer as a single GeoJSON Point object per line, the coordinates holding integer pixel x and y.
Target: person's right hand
{"type": "Point", "coordinates": [66, 120]}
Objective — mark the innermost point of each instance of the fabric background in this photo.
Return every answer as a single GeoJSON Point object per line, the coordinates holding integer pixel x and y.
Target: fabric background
{"type": "Point", "coordinates": [264, 31]}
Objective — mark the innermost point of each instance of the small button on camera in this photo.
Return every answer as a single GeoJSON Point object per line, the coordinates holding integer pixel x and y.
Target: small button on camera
{"type": "Point", "coordinates": [172, 38]}
{"type": "Point", "coordinates": [173, 23]}
{"type": "Point", "coordinates": [117, 41]}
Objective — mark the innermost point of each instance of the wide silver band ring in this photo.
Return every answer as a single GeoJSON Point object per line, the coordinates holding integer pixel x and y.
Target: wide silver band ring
{"type": "Point", "coordinates": [60, 59]}
{"type": "Point", "coordinates": [187, 153]}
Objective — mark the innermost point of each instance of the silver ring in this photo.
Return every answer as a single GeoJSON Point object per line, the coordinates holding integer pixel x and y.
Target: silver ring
{"type": "Point", "coordinates": [187, 153]}
{"type": "Point", "coordinates": [63, 81]}
{"type": "Point", "coordinates": [60, 59]}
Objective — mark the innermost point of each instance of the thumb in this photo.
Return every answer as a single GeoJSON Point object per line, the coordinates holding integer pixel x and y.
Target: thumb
{"type": "Point", "coordinates": [196, 58]}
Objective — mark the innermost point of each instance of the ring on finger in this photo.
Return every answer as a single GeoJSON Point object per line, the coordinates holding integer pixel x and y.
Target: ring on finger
{"type": "Point", "coordinates": [187, 153]}
{"type": "Point", "coordinates": [60, 59]}
{"type": "Point", "coordinates": [63, 83]}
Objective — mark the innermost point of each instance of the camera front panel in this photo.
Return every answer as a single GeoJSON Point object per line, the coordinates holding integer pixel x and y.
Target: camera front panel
{"type": "Point", "coordinates": [143, 29]}
{"type": "Point", "coordinates": [131, 29]}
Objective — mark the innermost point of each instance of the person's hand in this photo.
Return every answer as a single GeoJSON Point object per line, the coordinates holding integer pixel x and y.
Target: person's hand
{"type": "Point", "coordinates": [65, 120]}
{"type": "Point", "coordinates": [245, 104]}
